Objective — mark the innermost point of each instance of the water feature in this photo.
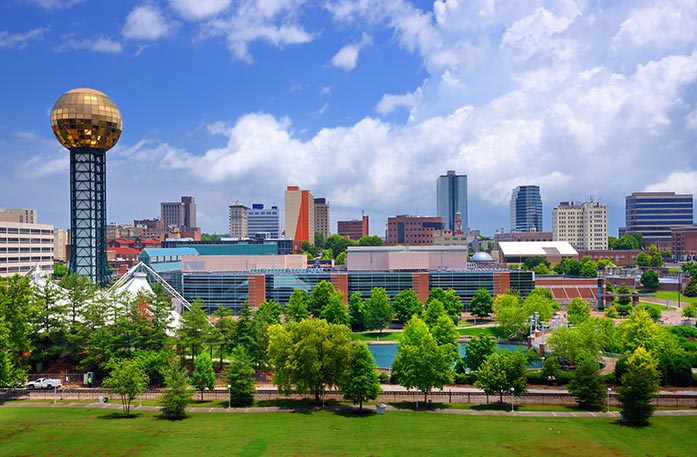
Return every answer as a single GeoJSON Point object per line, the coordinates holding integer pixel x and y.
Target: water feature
{"type": "Point", "coordinates": [385, 353]}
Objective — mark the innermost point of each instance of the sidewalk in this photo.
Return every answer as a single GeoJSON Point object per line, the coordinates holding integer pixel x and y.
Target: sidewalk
{"type": "Point", "coordinates": [276, 409]}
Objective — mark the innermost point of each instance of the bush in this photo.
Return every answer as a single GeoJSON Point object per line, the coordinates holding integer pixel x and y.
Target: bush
{"type": "Point", "coordinates": [177, 396]}
{"type": "Point", "coordinates": [611, 312]}
{"type": "Point", "coordinates": [465, 378]}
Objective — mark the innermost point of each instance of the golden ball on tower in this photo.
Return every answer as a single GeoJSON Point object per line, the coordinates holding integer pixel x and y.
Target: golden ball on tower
{"type": "Point", "coordinates": [86, 118]}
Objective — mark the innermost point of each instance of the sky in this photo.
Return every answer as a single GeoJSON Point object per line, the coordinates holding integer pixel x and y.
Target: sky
{"type": "Point", "coordinates": [362, 102]}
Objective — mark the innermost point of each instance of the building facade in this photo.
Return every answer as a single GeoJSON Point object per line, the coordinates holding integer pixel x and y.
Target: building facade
{"type": "Point", "coordinates": [451, 197]}
{"type": "Point", "coordinates": [412, 230]}
{"type": "Point", "coordinates": [264, 221]}
{"type": "Point", "coordinates": [23, 215]}
{"type": "Point", "coordinates": [23, 246]}
{"type": "Point", "coordinates": [300, 214]}
{"type": "Point", "coordinates": [653, 214]}
{"type": "Point", "coordinates": [583, 225]}
{"type": "Point", "coordinates": [179, 214]}
{"type": "Point", "coordinates": [526, 209]}
{"type": "Point", "coordinates": [322, 216]}
{"type": "Point", "coordinates": [355, 229]}
{"type": "Point", "coordinates": [684, 242]}
{"type": "Point", "coordinates": [238, 220]}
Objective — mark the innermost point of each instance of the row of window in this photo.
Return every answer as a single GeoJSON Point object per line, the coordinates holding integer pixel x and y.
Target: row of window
{"type": "Point", "coordinates": [25, 231]}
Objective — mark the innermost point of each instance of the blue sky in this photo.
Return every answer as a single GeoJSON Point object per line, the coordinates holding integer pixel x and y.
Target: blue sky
{"type": "Point", "coordinates": [363, 102]}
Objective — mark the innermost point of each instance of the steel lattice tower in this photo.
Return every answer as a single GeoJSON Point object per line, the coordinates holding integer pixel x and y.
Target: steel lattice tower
{"type": "Point", "coordinates": [88, 123]}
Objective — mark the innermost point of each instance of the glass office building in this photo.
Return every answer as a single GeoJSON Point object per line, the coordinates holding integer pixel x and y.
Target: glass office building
{"type": "Point", "coordinates": [526, 209]}
{"type": "Point", "coordinates": [451, 197]}
{"type": "Point", "coordinates": [654, 213]}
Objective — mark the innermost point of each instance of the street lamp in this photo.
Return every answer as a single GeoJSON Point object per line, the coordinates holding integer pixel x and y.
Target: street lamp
{"type": "Point", "coordinates": [323, 386]}
{"type": "Point", "coordinates": [229, 395]}
{"type": "Point", "coordinates": [608, 399]}
{"type": "Point", "coordinates": [512, 391]}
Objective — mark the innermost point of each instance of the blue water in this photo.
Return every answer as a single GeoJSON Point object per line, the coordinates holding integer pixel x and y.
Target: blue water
{"type": "Point", "coordinates": [385, 353]}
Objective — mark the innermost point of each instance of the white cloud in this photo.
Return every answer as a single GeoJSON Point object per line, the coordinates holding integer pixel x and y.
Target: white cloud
{"type": "Point", "coordinates": [199, 9]}
{"type": "Point", "coordinates": [664, 24]}
{"type": "Point", "coordinates": [270, 21]}
{"type": "Point", "coordinates": [100, 44]}
{"type": "Point", "coordinates": [347, 57]}
{"type": "Point", "coordinates": [325, 90]}
{"type": "Point", "coordinates": [56, 4]}
{"type": "Point", "coordinates": [390, 102]}
{"type": "Point", "coordinates": [683, 181]}
{"type": "Point", "coordinates": [21, 40]}
{"type": "Point", "coordinates": [146, 22]}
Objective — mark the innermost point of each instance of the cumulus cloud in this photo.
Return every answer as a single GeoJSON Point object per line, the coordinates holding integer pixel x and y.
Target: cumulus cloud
{"type": "Point", "coordinates": [683, 181]}
{"type": "Point", "coordinates": [21, 40]}
{"type": "Point", "coordinates": [271, 21]}
{"type": "Point", "coordinates": [347, 57]}
{"type": "Point", "coordinates": [199, 9]}
{"type": "Point", "coordinates": [665, 24]}
{"type": "Point", "coordinates": [146, 22]}
{"type": "Point", "coordinates": [390, 102]}
{"type": "Point", "coordinates": [100, 44]}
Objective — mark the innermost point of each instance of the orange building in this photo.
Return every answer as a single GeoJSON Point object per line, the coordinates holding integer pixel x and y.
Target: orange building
{"type": "Point", "coordinates": [300, 214]}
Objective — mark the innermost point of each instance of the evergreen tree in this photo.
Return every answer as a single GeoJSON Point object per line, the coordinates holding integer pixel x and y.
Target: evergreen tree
{"type": "Point", "coordinates": [240, 378]}
{"type": "Point", "coordinates": [691, 288]}
{"type": "Point", "coordinates": [177, 396]}
{"type": "Point", "coordinates": [639, 387]}
{"type": "Point", "coordinates": [203, 376]}
{"type": "Point", "coordinates": [360, 382]}
{"type": "Point", "coordinates": [585, 383]}
{"type": "Point", "coordinates": [194, 331]}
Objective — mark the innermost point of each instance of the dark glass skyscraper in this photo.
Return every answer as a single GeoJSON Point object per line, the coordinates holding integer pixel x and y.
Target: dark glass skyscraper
{"type": "Point", "coordinates": [526, 209]}
{"type": "Point", "coordinates": [653, 214]}
{"type": "Point", "coordinates": [451, 197]}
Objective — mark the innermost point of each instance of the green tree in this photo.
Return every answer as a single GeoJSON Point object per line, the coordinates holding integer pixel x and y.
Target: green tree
{"type": "Point", "coordinates": [194, 331]}
{"type": "Point", "coordinates": [639, 387]}
{"type": "Point", "coordinates": [177, 396]}
{"type": "Point", "coordinates": [406, 303]}
{"type": "Point", "coordinates": [502, 371]}
{"type": "Point", "coordinates": [360, 381]}
{"type": "Point", "coordinates": [336, 312]}
{"type": "Point", "coordinates": [691, 288]}
{"type": "Point", "coordinates": [510, 315]}
{"type": "Point", "coordinates": [203, 376]}
{"type": "Point", "coordinates": [240, 378]}
{"type": "Point", "coordinates": [531, 262]}
{"type": "Point", "coordinates": [451, 302]}
{"type": "Point", "coordinates": [420, 362]}
{"type": "Point", "coordinates": [308, 355]}
{"type": "Point", "coordinates": [338, 244]}
{"type": "Point", "coordinates": [370, 240]}
{"type": "Point", "coordinates": [578, 310]}
{"type": "Point", "coordinates": [477, 350]}
{"type": "Point", "coordinates": [589, 270]}
{"type": "Point", "coordinates": [128, 379]}
{"type": "Point", "coordinates": [569, 267]}
{"type": "Point", "coordinates": [321, 296]}
{"type": "Point", "coordinates": [378, 312]}
{"type": "Point", "coordinates": [585, 382]}
{"type": "Point", "coordinates": [268, 313]}
{"type": "Point", "coordinates": [446, 335]}
{"type": "Point", "coordinates": [649, 279]}
{"type": "Point", "coordinates": [689, 310]}
{"type": "Point", "coordinates": [10, 374]}
{"type": "Point", "coordinates": [643, 260]}
{"type": "Point", "coordinates": [319, 240]}
{"type": "Point", "coordinates": [340, 259]}
{"type": "Point", "coordinates": [224, 332]}
{"type": "Point", "coordinates": [482, 303]}
{"type": "Point", "coordinates": [297, 307]}
{"type": "Point", "coordinates": [357, 311]}
{"type": "Point", "coordinates": [433, 311]}
{"type": "Point", "coordinates": [624, 290]}
{"type": "Point", "coordinates": [17, 307]}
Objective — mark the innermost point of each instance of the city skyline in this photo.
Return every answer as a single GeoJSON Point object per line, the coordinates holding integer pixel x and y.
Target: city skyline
{"type": "Point", "coordinates": [231, 101]}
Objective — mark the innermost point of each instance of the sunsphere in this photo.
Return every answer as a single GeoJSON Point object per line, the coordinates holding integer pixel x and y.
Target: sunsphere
{"type": "Point", "coordinates": [86, 118]}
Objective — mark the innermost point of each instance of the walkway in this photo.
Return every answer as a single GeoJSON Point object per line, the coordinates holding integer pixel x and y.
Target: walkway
{"type": "Point", "coordinates": [389, 408]}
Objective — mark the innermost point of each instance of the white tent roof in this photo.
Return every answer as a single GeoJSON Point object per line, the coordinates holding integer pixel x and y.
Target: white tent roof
{"type": "Point", "coordinates": [536, 248]}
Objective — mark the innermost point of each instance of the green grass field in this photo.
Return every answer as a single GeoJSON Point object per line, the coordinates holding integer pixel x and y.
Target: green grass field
{"type": "Point", "coordinates": [673, 297]}
{"type": "Point", "coordinates": [394, 336]}
{"type": "Point", "coordinates": [89, 432]}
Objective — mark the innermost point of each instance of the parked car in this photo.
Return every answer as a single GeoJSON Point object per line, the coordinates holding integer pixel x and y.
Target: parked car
{"type": "Point", "coordinates": [44, 383]}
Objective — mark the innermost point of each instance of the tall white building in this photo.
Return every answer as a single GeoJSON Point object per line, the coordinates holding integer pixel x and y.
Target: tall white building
{"type": "Point", "coordinates": [238, 220]}
{"type": "Point", "coordinates": [582, 225]}
{"type": "Point", "coordinates": [22, 246]}
{"type": "Point", "coordinates": [263, 220]}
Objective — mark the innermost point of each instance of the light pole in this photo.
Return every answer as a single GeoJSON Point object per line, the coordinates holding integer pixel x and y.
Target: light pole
{"type": "Point", "coordinates": [608, 399]}
{"type": "Point", "coordinates": [229, 395]}
{"type": "Point", "coordinates": [323, 387]}
{"type": "Point", "coordinates": [55, 389]}
{"type": "Point", "coordinates": [512, 391]}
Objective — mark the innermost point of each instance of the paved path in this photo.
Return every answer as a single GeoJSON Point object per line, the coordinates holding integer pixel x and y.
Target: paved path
{"type": "Point", "coordinates": [273, 409]}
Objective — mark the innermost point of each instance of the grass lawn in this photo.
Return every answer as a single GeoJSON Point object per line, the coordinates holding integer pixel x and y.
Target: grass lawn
{"type": "Point", "coordinates": [89, 432]}
{"type": "Point", "coordinates": [673, 297]}
{"type": "Point", "coordinates": [660, 308]}
{"type": "Point", "coordinates": [486, 331]}
{"type": "Point", "coordinates": [394, 336]}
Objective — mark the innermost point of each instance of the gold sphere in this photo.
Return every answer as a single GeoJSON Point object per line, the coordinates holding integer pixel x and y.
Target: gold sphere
{"type": "Point", "coordinates": [86, 118]}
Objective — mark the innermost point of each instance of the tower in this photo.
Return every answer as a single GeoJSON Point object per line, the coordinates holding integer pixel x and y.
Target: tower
{"type": "Point", "coordinates": [451, 197]}
{"type": "Point", "coordinates": [300, 214]}
{"type": "Point", "coordinates": [88, 123]}
{"type": "Point", "coordinates": [238, 220]}
{"type": "Point", "coordinates": [526, 209]}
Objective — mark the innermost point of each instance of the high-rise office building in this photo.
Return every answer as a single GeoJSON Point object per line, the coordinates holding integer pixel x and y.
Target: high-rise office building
{"type": "Point", "coordinates": [526, 209]}
{"type": "Point", "coordinates": [412, 230]}
{"type": "Point", "coordinates": [300, 214]}
{"type": "Point", "coordinates": [23, 246]}
{"type": "Point", "coordinates": [451, 197]}
{"type": "Point", "coordinates": [322, 216]}
{"type": "Point", "coordinates": [355, 229]}
{"type": "Point", "coordinates": [238, 220]}
{"type": "Point", "coordinates": [88, 123]}
{"type": "Point", "coordinates": [179, 214]}
{"type": "Point", "coordinates": [654, 213]}
{"type": "Point", "coordinates": [582, 225]}
{"type": "Point", "coordinates": [262, 220]}
{"type": "Point", "coordinates": [23, 215]}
